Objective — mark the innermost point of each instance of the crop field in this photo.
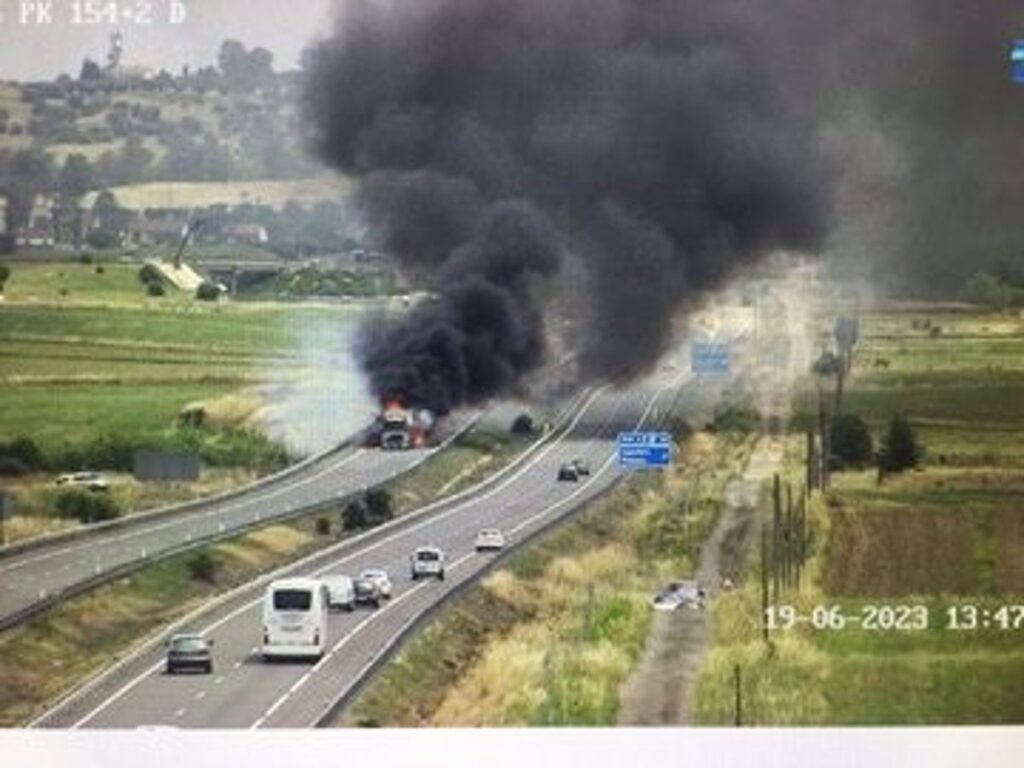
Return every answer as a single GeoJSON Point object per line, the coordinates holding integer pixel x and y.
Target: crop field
{"type": "Point", "coordinates": [946, 536]}
{"type": "Point", "coordinates": [86, 357]}
{"type": "Point", "coordinates": [199, 194]}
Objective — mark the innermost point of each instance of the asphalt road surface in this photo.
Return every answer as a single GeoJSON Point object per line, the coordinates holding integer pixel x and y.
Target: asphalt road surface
{"type": "Point", "coordinates": [245, 691]}
{"type": "Point", "coordinates": [30, 577]}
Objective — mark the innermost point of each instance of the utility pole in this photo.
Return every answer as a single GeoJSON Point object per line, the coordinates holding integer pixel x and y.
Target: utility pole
{"type": "Point", "coordinates": [764, 583]}
{"type": "Point", "coordinates": [776, 535]}
{"type": "Point", "coordinates": [739, 695]}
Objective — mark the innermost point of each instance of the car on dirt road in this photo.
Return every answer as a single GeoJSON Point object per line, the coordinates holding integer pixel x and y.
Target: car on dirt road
{"type": "Point", "coordinates": [681, 594]}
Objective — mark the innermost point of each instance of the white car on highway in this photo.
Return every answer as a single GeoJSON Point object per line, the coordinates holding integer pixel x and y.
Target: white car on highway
{"type": "Point", "coordinates": [490, 539]}
{"type": "Point", "coordinates": [380, 578]}
{"type": "Point", "coordinates": [428, 561]}
{"type": "Point", "coordinates": [94, 481]}
{"type": "Point", "coordinates": [341, 591]}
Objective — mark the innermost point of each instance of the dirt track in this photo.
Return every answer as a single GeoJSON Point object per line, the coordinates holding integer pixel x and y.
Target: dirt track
{"type": "Point", "coordinates": [659, 691]}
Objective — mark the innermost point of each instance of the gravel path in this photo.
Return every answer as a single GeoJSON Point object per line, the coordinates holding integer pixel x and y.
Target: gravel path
{"type": "Point", "coordinates": [659, 691]}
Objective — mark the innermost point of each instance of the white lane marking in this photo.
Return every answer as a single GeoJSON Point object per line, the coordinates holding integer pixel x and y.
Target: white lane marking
{"type": "Point", "coordinates": [180, 712]}
{"type": "Point", "coordinates": [584, 406]}
{"type": "Point", "coordinates": [465, 558]}
{"type": "Point", "coordinates": [199, 516]}
{"type": "Point", "coordinates": [200, 695]}
{"type": "Point", "coordinates": [337, 646]}
{"type": "Point", "coordinates": [218, 680]}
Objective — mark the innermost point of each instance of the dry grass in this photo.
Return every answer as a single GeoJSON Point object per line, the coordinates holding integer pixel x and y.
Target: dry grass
{"type": "Point", "coordinates": [1009, 553]}
{"type": "Point", "coordinates": [899, 550]}
{"type": "Point", "coordinates": [53, 653]}
{"type": "Point", "coordinates": [555, 634]}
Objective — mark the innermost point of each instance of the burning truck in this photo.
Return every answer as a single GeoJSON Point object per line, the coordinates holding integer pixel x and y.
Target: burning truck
{"type": "Point", "coordinates": [399, 428]}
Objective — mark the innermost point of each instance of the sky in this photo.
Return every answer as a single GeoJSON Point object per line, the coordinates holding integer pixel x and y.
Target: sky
{"type": "Point", "coordinates": [46, 47]}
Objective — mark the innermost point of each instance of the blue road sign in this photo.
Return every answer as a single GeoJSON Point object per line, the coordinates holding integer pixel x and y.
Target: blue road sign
{"type": "Point", "coordinates": [644, 450]}
{"type": "Point", "coordinates": [706, 358]}
{"type": "Point", "coordinates": [1017, 61]}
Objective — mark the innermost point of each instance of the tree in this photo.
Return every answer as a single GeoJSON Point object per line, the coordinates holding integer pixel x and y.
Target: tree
{"type": "Point", "coordinates": [5, 274]}
{"type": "Point", "coordinates": [988, 290]}
{"type": "Point", "coordinates": [75, 178]}
{"type": "Point", "coordinates": [354, 517]}
{"type": "Point", "coordinates": [23, 176]}
{"type": "Point", "coordinates": [91, 72]}
{"type": "Point", "coordinates": [208, 291]}
{"type": "Point", "coordinates": [851, 441]}
{"type": "Point", "coordinates": [900, 448]}
{"type": "Point", "coordinates": [378, 506]}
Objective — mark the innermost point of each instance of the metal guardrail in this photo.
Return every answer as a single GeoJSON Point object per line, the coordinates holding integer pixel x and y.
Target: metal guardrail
{"type": "Point", "coordinates": [54, 599]}
{"type": "Point", "coordinates": [345, 697]}
{"type": "Point", "coordinates": [129, 521]}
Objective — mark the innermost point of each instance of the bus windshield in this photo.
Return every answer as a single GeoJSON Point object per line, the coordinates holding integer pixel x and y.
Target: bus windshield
{"type": "Point", "coordinates": [292, 599]}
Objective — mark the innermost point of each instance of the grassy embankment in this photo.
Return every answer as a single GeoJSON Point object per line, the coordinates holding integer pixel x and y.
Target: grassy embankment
{"type": "Point", "coordinates": [550, 637]}
{"type": "Point", "coordinates": [53, 653]}
{"type": "Point", "coordinates": [91, 368]}
{"type": "Point", "coordinates": [947, 535]}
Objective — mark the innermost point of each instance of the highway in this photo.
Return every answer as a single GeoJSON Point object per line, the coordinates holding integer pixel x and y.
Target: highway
{"type": "Point", "coordinates": [246, 692]}
{"type": "Point", "coordinates": [30, 577]}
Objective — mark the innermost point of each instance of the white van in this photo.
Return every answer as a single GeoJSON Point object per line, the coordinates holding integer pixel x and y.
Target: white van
{"type": "Point", "coordinates": [341, 592]}
{"type": "Point", "coordinates": [427, 561]}
{"type": "Point", "coordinates": [295, 618]}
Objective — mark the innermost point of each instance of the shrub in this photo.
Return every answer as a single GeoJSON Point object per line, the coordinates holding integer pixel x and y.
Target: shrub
{"type": "Point", "coordinates": [522, 425]}
{"type": "Point", "coordinates": [736, 418]}
{"type": "Point", "coordinates": [323, 526]}
{"type": "Point", "coordinates": [5, 271]}
{"type": "Point", "coordinates": [25, 451]}
{"type": "Point", "coordinates": [99, 269]}
{"type": "Point", "coordinates": [900, 448]}
{"type": "Point", "coordinates": [85, 258]}
{"type": "Point", "coordinates": [851, 441]}
{"type": "Point", "coordinates": [155, 289]}
{"type": "Point", "coordinates": [12, 467]}
{"type": "Point", "coordinates": [203, 567]}
{"type": "Point", "coordinates": [86, 506]}
{"type": "Point", "coordinates": [149, 274]}
{"type": "Point", "coordinates": [354, 518]}
{"type": "Point", "coordinates": [378, 506]}
{"type": "Point", "coordinates": [207, 291]}
{"type": "Point", "coordinates": [102, 239]}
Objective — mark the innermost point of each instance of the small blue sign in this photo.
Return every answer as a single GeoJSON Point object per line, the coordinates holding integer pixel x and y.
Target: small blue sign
{"type": "Point", "coordinates": [644, 450]}
{"type": "Point", "coordinates": [1017, 61]}
{"type": "Point", "coordinates": [708, 358]}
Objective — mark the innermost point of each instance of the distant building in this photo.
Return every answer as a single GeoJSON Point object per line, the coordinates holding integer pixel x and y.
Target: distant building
{"type": "Point", "coordinates": [39, 231]}
{"type": "Point", "coordinates": [145, 231]}
{"type": "Point", "coordinates": [250, 234]}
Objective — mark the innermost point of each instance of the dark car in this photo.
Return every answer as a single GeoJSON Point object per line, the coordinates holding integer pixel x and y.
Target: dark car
{"type": "Point", "coordinates": [367, 592]}
{"type": "Point", "coordinates": [568, 473]}
{"type": "Point", "coordinates": [582, 468]}
{"type": "Point", "coordinates": [189, 652]}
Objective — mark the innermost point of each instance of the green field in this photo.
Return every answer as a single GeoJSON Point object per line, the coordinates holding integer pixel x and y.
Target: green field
{"type": "Point", "coordinates": [91, 369]}
{"type": "Point", "coordinates": [948, 534]}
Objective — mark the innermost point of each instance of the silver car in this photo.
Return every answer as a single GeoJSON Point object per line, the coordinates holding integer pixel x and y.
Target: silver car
{"type": "Point", "coordinates": [681, 594]}
{"type": "Point", "coordinates": [380, 578]}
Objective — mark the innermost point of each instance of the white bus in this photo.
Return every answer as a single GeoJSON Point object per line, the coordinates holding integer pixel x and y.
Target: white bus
{"type": "Point", "coordinates": [295, 619]}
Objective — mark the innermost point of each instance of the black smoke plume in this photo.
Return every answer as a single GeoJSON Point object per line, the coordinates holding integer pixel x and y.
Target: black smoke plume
{"type": "Point", "coordinates": [649, 138]}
